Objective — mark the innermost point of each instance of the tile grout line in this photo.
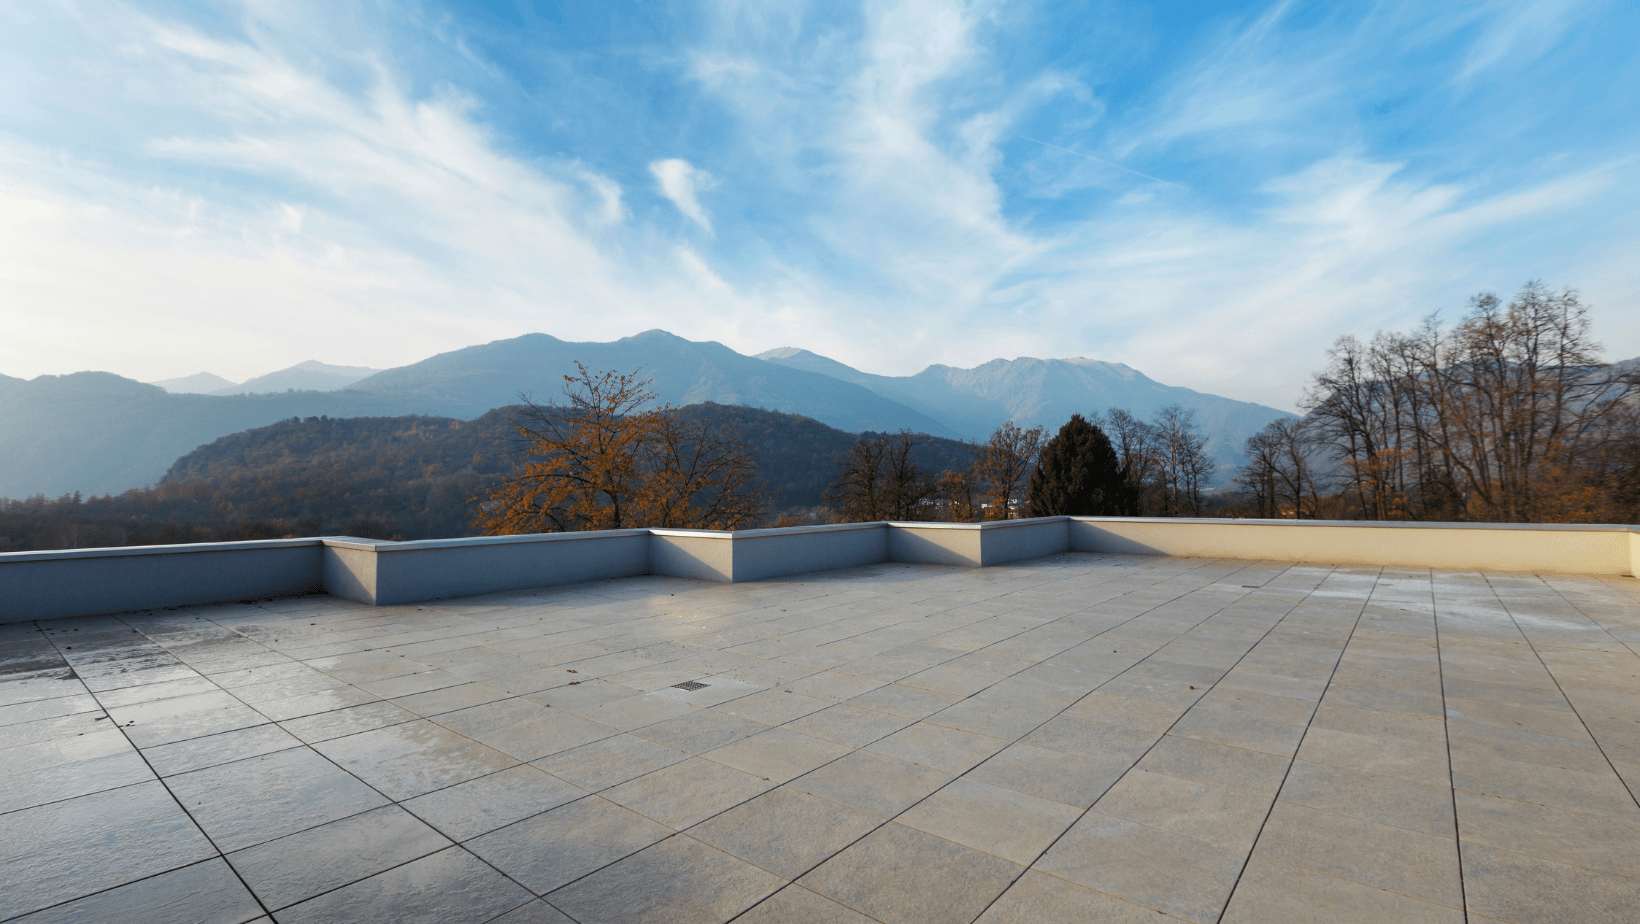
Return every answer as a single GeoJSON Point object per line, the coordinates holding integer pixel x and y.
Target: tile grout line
{"type": "Point", "coordinates": [1027, 867]}
{"type": "Point", "coordinates": [1446, 735]}
{"type": "Point", "coordinates": [1562, 691]}
{"type": "Point", "coordinates": [955, 777]}
{"type": "Point", "coordinates": [161, 781]}
{"type": "Point", "coordinates": [1287, 772]}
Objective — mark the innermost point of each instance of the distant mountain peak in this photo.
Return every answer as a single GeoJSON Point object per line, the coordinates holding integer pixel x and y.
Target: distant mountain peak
{"type": "Point", "coordinates": [200, 383]}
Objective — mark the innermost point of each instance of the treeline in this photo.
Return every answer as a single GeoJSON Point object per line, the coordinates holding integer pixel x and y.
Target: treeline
{"type": "Point", "coordinates": [387, 478]}
{"type": "Point", "coordinates": [1506, 416]}
{"type": "Point", "coordinates": [1117, 463]}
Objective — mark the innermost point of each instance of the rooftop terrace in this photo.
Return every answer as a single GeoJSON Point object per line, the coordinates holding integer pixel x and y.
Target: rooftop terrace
{"type": "Point", "coordinates": [1080, 737]}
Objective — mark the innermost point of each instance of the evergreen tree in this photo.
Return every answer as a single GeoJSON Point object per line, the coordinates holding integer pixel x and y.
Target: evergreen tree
{"type": "Point", "coordinates": [1077, 474]}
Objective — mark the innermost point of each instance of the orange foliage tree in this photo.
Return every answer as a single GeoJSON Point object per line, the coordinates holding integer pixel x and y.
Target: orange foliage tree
{"type": "Point", "coordinates": [605, 459]}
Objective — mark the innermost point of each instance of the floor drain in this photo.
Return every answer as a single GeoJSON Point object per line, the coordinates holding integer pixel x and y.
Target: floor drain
{"type": "Point", "coordinates": [688, 685]}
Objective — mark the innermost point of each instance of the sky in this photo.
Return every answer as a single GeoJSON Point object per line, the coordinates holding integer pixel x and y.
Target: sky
{"type": "Point", "coordinates": [1208, 192]}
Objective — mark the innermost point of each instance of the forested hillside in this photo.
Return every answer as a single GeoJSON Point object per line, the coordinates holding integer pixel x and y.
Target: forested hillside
{"type": "Point", "coordinates": [383, 477]}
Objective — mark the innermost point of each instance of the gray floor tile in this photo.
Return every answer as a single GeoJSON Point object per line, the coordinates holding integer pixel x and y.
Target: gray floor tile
{"type": "Point", "coordinates": [299, 866]}
{"type": "Point", "coordinates": [204, 893]}
{"type": "Point", "coordinates": [785, 831]}
{"type": "Point", "coordinates": [901, 876]}
{"type": "Point", "coordinates": [875, 783]}
{"type": "Point", "coordinates": [679, 881]}
{"type": "Point", "coordinates": [1528, 890]}
{"type": "Point", "coordinates": [1180, 875]}
{"type": "Point", "coordinates": [199, 753]}
{"type": "Point", "coordinates": [1001, 822]}
{"type": "Point", "coordinates": [449, 887]}
{"type": "Point", "coordinates": [689, 792]}
{"type": "Point", "coordinates": [1423, 866]}
{"type": "Point", "coordinates": [404, 761]}
{"type": "Point", "coordinates": [550, 850]}
{"type": "Point", "coordinates": [610, 761]}
{"type": "Point", "coordinates": [466, 810]}
{"type": "Point", "coordinates": [59, 852]}
{"type": "Point", "coordinates": [1037, 898]}
{"type": "Point", "coordinates": [256, 800]}
{"type": "Point", "coordinates": [1069, 778]}
{"type": "Point", "coordinates": [1275, 893]}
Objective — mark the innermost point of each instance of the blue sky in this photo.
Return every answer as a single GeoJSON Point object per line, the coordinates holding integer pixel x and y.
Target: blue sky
{"type": "Point", "coordinates": [1208, 192]}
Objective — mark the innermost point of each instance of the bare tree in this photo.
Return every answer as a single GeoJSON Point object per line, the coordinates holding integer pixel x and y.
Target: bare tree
{"type": "Point", "coordinates": [1282, 470]}
{"type": "Point", "coordinates": [879, 480]}
{"type": "Point", "coordinates": [1183, 464]}
{"type": "Point", "coordinates": [1135, 444]}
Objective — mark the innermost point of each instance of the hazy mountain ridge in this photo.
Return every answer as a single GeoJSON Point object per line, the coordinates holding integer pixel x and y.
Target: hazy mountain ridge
{"type": "Point", "coordinates": [1047, 392]}
{"type": "Point", "coordinates": [311, 375]}
{"type": "Point", "coordinates": [200, 383]}
{"type": "Point", "coordinates": [470, 381]}
{"type": "Point", "coordinates": [97, 432]}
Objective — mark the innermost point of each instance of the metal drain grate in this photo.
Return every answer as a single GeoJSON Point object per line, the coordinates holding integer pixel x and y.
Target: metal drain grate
{"type": "Point", "coordinates": [688, 685]}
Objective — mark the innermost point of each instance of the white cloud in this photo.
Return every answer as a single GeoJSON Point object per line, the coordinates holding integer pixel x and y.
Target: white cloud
{"type": "Point", "coordinates": [682, 183]}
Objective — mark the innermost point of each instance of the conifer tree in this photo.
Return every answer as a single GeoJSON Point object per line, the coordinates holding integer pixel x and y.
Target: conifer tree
{"type": "Point", "coordinates": [1077, 474]}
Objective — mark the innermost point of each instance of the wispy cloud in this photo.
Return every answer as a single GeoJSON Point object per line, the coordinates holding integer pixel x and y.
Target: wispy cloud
{"type": "Point", "coordinates": [894, 184]}
{"type": "Point", "coordinates": [682, 183]}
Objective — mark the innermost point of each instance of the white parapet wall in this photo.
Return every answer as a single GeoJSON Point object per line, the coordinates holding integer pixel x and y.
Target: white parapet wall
{"type": "Point", "coordinates": [81, 582]}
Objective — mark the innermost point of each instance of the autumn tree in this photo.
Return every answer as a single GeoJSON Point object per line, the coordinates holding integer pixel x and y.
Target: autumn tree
{"type": "Point", "coordinates": [1004, 462]}
{"type": "Point", "coordinates": [1134, 441]}
{"type": "Point", "coordinates": [607, 459]}
{"type": "Point", "coordinates": [1077, 474]}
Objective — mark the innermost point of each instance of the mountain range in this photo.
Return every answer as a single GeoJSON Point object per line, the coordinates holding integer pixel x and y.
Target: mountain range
{"type": "Point", "coordinates": [305, 376]}
{"type": "Point", "coordinates": [98, 433]}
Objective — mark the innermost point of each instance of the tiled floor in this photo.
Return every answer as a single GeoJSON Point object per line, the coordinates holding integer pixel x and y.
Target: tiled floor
{"type": "Point", "coordinates": [1077, 738]}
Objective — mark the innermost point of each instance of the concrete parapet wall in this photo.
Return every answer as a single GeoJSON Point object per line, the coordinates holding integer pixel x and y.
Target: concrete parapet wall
{"type": "Point", "coordinates": [1557, 548]}
{"type": "Point", "coordinates": [80, 582]}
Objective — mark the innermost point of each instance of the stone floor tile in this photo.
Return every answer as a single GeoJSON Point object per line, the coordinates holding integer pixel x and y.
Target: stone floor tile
{"type": "Point", "coordinates": [404, 761]}
{"type": "Point", "coordinates": [1131, 711]}
{"type": "Point", "coordinates": [466, 810]}
{"type": "Point", "coordinates": [42, 772]}
{"type": "Point", "coordinates": [1001, 822]}
{"type": "Point", "coordinates": [1068, 778]}
{"type": "Point", "coordinates": [250, 801]}
{"type": "Point", "coordinates": [547, 851]}
{"type": "Point", "coordinates": [1523, 889]}
{"type": "Point", "coordinates": [1208, 813]}
{"type": "Point", "coordinates": [1247, 730]}
{"type": "Point", "coordinates": [1180, 875]}
{"type": "Point", "coordinates": [1093, 739]}
{"type": "Point", "coordinates": [906, 702]}
{"type": "Point", "coordinates": [1037, 898]}
{"type": "Point", "coordinates": [700, 731]}
{"type": "Point", "coordinates": [637, 711]}
{"type": "Point", "coordinates": [58, 852]}
{"type": "Point", "coordinates": [1217, 765]}
{"type": "Point", "coordinates": [536, 912]}
{"type": "Point", "coordinates": [775, 706]}
{"type": "Point", "coordinates": [1275, 893]}
{"type": "Point", "coordinates": [198, 753]}
{"type": "Point", "coordinates": [1423, 761]}
{"type": "Point", "coordinates": [206, 893]}
{"type": "Point", "coordinates": [985, 717]}
{"type": "Point", "coordinates": [797, 905]}
{"type": "Point", "coordinates": [1423, 866]}
{"type": "Point", "coordinates": [182, 717]}
{"type": "Point", "coordinates": [610, 761]}
{"type": "Point", "coordinates": [848, 724]}
{"type": "Point", "coordinates": [351, 720]}
{"type": "Point", "coordinates": [689, 792]}
{"type": "Point", "coordinates": [299, 866]}
{"type": "Point", "coordinates": [785, 831]}
{"type": "Point", "coordinates": [449, 699]}
{"type": "Point", "coordinates": [902, 876]}
{"type": "Point", "coordinates": [1482, 743]}
{"type": "Point", "coordinates": [56, 707]}
{"type": "Point", "coordinates": [1606, 843]}
{"type": "Point", "coordinates": [938, 747]}
{"type": "Point", "coordinates": [1598, 793]}
{"type": "Point", "coordinates": [871, 782]}
{"type": "Point", "coordinates": [834, 686]}
{"type": "Point", "coordinates": [448, 887]}
{"type": "Point", "coordinates": [1384, 799]}
{"type": "Point", "coordinates": [523, 729]}
{"type": "Point", "coordinates": [677, 881]}
{"type": "Point", "coordinates": [777, 755]}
